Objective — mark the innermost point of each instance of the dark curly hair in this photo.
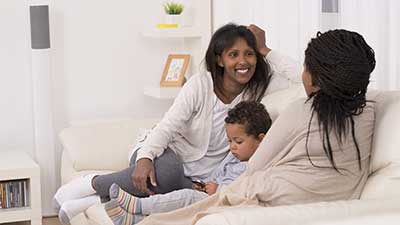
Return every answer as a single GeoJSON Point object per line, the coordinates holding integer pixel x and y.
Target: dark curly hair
{"type": "Point", "coordinates": [340, 63]}
{"type": "Point", "coordinates": [225, 38]}
{"type": "Point", "coordinates": [252, 115]}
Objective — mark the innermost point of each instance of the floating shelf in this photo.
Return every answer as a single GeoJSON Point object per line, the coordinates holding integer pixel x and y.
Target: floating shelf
{"type": "Point", "coordinates": [185, 32]}
{"type": "Point", "coordinates": [161, 92]}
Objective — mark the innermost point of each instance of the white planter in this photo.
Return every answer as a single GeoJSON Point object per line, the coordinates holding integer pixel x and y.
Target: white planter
{"type": "Point", "coordinates": [174, 19]}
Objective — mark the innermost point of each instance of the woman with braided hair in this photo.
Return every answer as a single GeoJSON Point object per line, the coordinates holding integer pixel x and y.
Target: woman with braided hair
{"type": "Point", "coordinates": [336, 81]}
{"type": "Point", "coordinates": [318, 149]}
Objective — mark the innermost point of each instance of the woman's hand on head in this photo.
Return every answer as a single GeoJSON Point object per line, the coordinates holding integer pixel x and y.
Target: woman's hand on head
{"type": "Point", "coordinates": [144, 169]}
{"type": "Point", "coordinates": [260, 38]}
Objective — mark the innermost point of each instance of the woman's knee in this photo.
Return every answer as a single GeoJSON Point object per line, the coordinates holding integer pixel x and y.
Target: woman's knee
{"type": "Point", "coordinates": [169, 172]}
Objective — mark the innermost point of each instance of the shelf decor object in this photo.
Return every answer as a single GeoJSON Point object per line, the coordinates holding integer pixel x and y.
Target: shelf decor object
{"type": "Point", "coordinates": [173, 16]}
{"type": "Point", "coordinates": [194, 34]}
{"type": "Point", "coordinates": [175, 70]}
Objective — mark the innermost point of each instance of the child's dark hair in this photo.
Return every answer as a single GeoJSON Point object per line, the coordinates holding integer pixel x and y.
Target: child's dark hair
{"type": "Point", "coordinates": [224, 38]}
{"type": "Point", "coordinates": [252, 115]}
{"type": "Point", "coordinates": [340, 63]}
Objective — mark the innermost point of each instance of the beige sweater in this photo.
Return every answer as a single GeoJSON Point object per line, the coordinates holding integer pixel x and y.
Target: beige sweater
{"type": "Point", "coordinates": [280, 172]}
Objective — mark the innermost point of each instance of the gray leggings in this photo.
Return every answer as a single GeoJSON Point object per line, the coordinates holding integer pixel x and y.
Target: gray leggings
{"type": "Point", "coordinates": [169, 177]}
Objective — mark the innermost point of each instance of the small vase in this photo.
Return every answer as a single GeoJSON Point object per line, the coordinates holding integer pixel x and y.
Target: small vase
{"type": "Point", "coordinates": [173, 19]}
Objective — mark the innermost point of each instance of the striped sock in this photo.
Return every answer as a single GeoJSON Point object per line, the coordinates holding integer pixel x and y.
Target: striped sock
{"type": "Point", "coordinates": [128, 202]}
{"type": "Point", "coordinates": [119, 216]}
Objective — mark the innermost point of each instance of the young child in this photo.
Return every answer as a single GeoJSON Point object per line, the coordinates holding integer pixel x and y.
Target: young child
{"type": "Point", "coordinates": [246, 125]}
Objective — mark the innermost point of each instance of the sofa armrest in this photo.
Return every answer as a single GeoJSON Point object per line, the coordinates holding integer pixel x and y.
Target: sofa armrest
{"type": "Point", "coordinates": [103, 145]}
{"type": "Point", "coordinates": [307, 214]}
{"type": "Point", "coordinates": [68, 171]}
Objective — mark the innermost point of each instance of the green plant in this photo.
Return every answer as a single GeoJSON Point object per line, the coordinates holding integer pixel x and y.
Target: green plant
{"type": "Point", "coordinates": [173, 8]}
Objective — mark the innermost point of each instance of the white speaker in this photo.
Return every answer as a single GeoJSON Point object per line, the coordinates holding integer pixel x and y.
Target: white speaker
{"type": "Point", "coordinates": [44, 135]}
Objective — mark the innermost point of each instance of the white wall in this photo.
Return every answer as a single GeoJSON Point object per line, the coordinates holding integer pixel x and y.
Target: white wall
{"type": "Point", "coordinates": [99, 64]}
{"type": "Point", "coordinates": [289, 24]}
{"type": "Point", "coordinates": [16, 129]}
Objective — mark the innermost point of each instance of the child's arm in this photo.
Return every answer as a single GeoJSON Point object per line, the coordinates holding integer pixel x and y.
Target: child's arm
{"type": "Point", "coordinates": [230, 169]}
{"type": "Point", "coordinates": [231, 172]}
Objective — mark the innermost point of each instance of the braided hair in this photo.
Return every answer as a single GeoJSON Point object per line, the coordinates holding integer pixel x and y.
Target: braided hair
{"type": "Point", "coordinates": [340, 63]}
{"type": "Point", "coordinates": [224, 38]}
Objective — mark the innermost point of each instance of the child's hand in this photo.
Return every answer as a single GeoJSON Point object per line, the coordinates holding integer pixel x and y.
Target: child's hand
{"type": "Point", "coordinates": [211, 188]}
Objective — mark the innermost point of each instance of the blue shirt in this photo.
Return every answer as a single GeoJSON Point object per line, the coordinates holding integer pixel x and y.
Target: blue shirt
{"type": "Point", "coordinates": [229, 169]}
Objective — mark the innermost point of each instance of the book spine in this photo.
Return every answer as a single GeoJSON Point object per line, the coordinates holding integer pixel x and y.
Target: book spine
{"type": "Point", "coordinates": [1, 195]}
{"type": "Point", "coordinates": [26, 193]}
{"type": "Point", "coordinates": [7, 195]}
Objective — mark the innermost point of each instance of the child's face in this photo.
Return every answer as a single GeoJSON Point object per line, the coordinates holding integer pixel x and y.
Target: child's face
{"type": "Point", "coordinates": [242, 145]}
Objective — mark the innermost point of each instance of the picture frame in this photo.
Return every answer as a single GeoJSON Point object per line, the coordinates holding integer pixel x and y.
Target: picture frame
{"type": "Point", "coordinates": [175, 70]}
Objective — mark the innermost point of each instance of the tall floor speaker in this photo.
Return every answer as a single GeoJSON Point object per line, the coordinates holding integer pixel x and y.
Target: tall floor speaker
{"type": "Point", "coordinates": [42, 102]}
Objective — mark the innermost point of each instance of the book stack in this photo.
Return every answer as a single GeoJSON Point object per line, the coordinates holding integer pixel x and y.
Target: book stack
{"type": "Point", "coordinates": [14, 193]}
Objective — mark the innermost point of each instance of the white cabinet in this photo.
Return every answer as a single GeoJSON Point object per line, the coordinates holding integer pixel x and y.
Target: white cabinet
{"type": "Point", "coordinates": [17, 166]}
{"type": "Point", "coordinates": [195, 42]}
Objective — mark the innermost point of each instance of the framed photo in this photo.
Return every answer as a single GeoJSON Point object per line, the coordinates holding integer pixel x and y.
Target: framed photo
{"type": "Point", "coordinates": [174, 71]}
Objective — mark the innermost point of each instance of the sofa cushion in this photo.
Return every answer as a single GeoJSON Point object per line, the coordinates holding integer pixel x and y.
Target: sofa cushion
{"type": "Point", "coordinates": [319, 213]}
{"type": "Point", "coordinates": [386, 142]}
{"type": "Point", "coordinates": [278, 101]}
{"type": "Point", "coordinates": [384, 178]}
{"type": "Point", "coordinates": [102, 145]}
{"type": "Point", "coordinates": [68, 172]}
{"type": "Point", "coordinates": [98, 215]}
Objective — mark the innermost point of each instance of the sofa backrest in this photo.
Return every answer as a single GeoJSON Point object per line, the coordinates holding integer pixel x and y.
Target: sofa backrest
{"type": "Point", "coordinates": [384, 178]}
{"type": "Point", "coordinates": [105, 145]}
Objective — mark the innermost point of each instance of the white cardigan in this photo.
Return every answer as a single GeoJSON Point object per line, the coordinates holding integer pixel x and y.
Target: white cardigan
{"type": "Point", "coordinates": [186, 127]}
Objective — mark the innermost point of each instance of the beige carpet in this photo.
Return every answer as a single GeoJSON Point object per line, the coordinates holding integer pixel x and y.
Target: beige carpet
{"type": "Point", "coordinates": [51, 221]}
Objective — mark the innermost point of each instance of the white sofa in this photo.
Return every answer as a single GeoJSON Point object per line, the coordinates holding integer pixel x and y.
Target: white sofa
{"type": "Point", "coordinates": [103, 147]}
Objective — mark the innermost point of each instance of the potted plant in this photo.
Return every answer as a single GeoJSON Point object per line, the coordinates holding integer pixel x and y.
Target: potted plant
{"type": "Point", "coordinates": [173, 8]}
{"type": "Point", "coordinates": [173, 12]}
